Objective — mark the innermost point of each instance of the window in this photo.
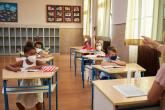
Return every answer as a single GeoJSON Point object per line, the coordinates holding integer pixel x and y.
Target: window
{"type": "Point", "coordinates": [142, 15]}
{"type": "Point", "coordinates": [103, 18]}
{"type": "Point", "coordinates": [86, 18]}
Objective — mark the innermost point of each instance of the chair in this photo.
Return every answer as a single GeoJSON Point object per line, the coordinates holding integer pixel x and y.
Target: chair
{"type": "Point", "coordinates": [149, 59]}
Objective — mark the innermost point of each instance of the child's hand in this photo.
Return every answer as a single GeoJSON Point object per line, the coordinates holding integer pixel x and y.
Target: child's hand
{"type": "Point", "coordinates": [16, 69]}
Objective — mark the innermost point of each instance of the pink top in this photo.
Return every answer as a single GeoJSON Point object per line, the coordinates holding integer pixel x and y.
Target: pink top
{"type": "Point", "coordinates": [160, 78]}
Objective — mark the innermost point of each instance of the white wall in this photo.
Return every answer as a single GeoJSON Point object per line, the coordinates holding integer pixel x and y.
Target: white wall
{"type": "Point", "coordinates": [119, 11]}
{"type": "Point", "coordinates": [33, 12]}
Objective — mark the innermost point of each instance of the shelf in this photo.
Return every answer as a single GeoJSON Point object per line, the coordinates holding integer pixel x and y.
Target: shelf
{"type": "Point", "coordinates": [18, 32]}
{"type": "Point", "coordinates": [52, 32]}
{"type": "Point", "coordinates": [7, 50]}
{"type": "Point", "coordinates": [23, 32]}
{"type": "Point", "coordinates": [1, 50]}
{"type": "Point", "coordinates": [12, 32]}
{"type": "Point", "coordinates": [12, 38]}
{"type": "Point", "coordinates": [57, 41]}
{"type": "Point", "coordinates": [6, 41]}
{"type": "Point", "coordinates": [35, 32]}
{"type": "Point", "coordinates": [1, 41]}
{"type": "Point", "coordinates": [23, 41]}
{"type": "Point", "coordinates": [6, 32]}
{"type": "Point", "coordinates": [13, 50]}
{"type": "Point", "coordinates": [18, 41]}
{"type": "Point", "coordinates": [57, 32]}
{"type": "Point", "coordinates": [52, 41]}
{"type": "Point", "coordinates": [46, 41]}
{"type": "Point", "coordinates": [41, 32]}
{"type": "Point", "coordinates": [57, 50]}
{"type": "Point", "coordinates": [46, 32]}
{"type": "Point", "coordinates": [1, 32]}
{"type": "Point", "coordinates": [51, 49]}
{"type": "Point", "coordinates": [29, 32]}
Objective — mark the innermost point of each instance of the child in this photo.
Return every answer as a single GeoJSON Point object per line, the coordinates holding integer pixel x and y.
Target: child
{"type": "Point", "coordinates": [87, 45]}
{"type": "Point", "coordinates": [111, 59]}
{"type": "Point", "coordinates": [157, 91]}
{"type": "Point", "coordinates": [38, 46]}
{"type": "Point", "coordinates": [98, 51]}
{"type": "Point", "coordinates": [29, 62]}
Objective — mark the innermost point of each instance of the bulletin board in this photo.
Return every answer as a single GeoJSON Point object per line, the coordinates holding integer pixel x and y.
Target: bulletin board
{"type": "Point", "coordinates": [63, 14]}
{"type": "Point", "coordinates": [8, 12]}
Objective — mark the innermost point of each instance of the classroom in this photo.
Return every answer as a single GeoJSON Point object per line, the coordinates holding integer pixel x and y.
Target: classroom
{"type": "Point", "coordinates": [82, 54]}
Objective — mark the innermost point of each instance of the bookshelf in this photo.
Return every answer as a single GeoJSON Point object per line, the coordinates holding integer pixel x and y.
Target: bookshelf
{"type": "Point", "coordinates": [13, 38]}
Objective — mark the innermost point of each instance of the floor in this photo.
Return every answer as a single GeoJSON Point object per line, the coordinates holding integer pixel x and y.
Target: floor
{"type": "Point", "coordinates": [71, 94]}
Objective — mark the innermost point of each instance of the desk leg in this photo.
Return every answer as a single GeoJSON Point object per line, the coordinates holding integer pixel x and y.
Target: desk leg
{"type": "Point", "coordinates": [82, 70]}
{"type": "Point", "coordinates": [49, 93]}
{"type": "Point", "coordinates": [142, 74]}
{"type": "Point", "coordinates": [75, 65]}
{"type": "Point", "coordinates": [56, 91]}
{"type": "Point", "coordinates": [93, 73]}
{"type": "Point", "coordinates": [5, 95]}
{"type": "Point", "coordinates": [70, 57]}
{"type": "Point", "coordinates": [52, 62]}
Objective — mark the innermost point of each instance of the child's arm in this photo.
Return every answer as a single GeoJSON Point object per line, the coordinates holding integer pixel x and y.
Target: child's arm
{"type": "Point", "coordinates": [14, 67]}
{"type": "Point", "coordinates": [105, 63]}
{"type": "Point", "coordinates": [119, 62]}
{"type": "Point", "coordinates": [39, 64]}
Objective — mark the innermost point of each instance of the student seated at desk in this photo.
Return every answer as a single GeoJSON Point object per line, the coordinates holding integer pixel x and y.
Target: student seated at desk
{"type": "Point", "coordinates": [38, 46]}
{"type": "Point", "coordinates": [157, 91]}
{"type": "Point", "coordinates": [87, 45]}
{"type": "Point", "coordinates": [111, 59]}
{"type": "Point", "coordinates": [98, 50]}
{"type": "Point", "coordinates": [30, 62]}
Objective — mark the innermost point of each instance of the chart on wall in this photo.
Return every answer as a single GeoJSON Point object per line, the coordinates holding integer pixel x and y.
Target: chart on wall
{"type": "Point", "coordinates": [8, 12]}
{"type": "Point", "coordinates": [63, 14]}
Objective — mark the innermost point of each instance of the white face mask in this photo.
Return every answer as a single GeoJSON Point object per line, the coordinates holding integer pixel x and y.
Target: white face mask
{"type": "Point", "coordinates": [98, 48]}
{"type": "Point", "coordinates": [38, 50]}
{"type": "Point", "coordinates": [32, 58]}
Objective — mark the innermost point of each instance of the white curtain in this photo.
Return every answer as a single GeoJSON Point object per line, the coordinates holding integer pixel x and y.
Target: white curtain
{"type": "Point", "coordinates": [103, 18]}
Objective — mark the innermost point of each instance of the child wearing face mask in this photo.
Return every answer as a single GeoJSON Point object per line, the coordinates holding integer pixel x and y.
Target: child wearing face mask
{"type": "Point", "coordinates": [98, 51]}
{"type": "Point", "coordinates": [111, 59]}
{"type": "Point", "coordinates": [28, 62]}
{"type": "Point", "coordinates": [38, 46]}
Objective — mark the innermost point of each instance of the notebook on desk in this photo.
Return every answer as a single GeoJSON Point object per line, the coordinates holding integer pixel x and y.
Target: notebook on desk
{"type": "Point", "coordinates": [129, 90]}
{"type": "Point", "coordinates": [113, 66]}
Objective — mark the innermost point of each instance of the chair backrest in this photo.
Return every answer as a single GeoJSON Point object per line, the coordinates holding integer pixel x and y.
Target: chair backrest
{"type": "Point", "coordinates": [149, 59]}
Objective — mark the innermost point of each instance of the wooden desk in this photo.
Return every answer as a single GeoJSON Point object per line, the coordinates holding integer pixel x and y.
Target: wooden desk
{"type": "Point", "coordinates": [47, 59]}
{"type": "Point", "coordinates": [72, 49]}
{"type": "Point", "coordinates": [9, 75]}
{"type": "Point", "coordinates": [108, 98]}
{"type": "Point", "coordinates": [81, 53]}
{"type": "Point", "coordinates": [130, 66]}
{"type": "Point", "coordinates": [93, 59]}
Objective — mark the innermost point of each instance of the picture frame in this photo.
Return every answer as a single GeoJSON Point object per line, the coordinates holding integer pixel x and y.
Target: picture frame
{"type": "Point", "coordinates": [8, 12]}
{"type": "Point", "coordinates": [63, 14]}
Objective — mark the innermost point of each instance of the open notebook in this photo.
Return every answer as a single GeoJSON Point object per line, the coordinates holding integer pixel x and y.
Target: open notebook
{"type": "Point", "coordinates": [113, 66]}
{"type": "Point", "coordinates": [129, 90]}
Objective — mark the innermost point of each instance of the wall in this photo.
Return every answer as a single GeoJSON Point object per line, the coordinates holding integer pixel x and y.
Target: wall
{"type": "Point", "coordinates": [118, 28]}
{"type": "Point", "coordinates": [33, 13]}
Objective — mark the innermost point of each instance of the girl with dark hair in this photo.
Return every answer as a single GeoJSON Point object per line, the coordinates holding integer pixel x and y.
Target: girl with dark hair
{"type": "Point", "coordinates": [28, 62]}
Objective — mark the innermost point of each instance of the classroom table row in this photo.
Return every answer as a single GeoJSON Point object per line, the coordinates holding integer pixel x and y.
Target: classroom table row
{"type": "Point", "coordinates": [104, 95]}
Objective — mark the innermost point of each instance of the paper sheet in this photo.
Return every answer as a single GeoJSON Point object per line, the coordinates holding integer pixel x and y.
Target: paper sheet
{"type": "Point", "coordinates": [129, 90]}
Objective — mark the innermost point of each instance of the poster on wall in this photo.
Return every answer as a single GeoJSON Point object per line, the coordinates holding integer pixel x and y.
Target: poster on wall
{"type": "Point", "coordinates": [63, 14]}
{"type": "Point", "coordinates": [76, 14]}
{"type": "Point", "coordinates": [67, 14]}
{"type": "Point", "coordinates": [8, 12]}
